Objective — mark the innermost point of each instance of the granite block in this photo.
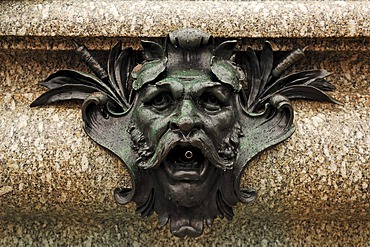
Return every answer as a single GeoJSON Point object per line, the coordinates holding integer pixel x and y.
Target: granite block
{"type": "Point", "coordinates": [121, 230]}
{"type": "Point", "coordinates": [21, 70]}
{"type": "Point", "coordinates": [156, 18]}
{"type": "Point", "coordinates": [48, 162]}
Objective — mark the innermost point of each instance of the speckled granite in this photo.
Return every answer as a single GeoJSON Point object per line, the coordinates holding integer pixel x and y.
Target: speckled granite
{"type": "Point", "coordinates": [56, 185]}
{"type": "Point", "coordinates": [47, 147]}
{"type": "Point", "coordinates": [51, 169]}
{"type": "Point", "coordinates": [113, 231]}
{"type": "Point", "coordinates": [22, 69]}
{"type": "Point", "coordinates": [157, 18]}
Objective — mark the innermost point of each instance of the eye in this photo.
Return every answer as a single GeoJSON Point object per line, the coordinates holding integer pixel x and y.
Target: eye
{"type": "Point", "coordinates": [210, 102]}
{"type": "Point", "coordinates": [161, 101]}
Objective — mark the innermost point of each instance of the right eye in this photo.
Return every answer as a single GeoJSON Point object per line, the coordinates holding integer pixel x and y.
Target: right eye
{"type": "Point", "coordinates": [161, 101]}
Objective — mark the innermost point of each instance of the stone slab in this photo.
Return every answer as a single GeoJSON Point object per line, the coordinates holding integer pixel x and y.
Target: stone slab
{"type": "Point", "coordinates": [122, 230]}
{"type": "Point", "coordinates": [156, 18]}
{"type": "Point", "coordinates": [21, 70]}
{"type": "Point", "coordinates": [49, 164]}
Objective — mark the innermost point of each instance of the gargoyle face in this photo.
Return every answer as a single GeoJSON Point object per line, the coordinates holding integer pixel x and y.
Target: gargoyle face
{"type": "Point", "coordinates": [187, 120]}
{"type": "Point", "coordinates": [189, 135]}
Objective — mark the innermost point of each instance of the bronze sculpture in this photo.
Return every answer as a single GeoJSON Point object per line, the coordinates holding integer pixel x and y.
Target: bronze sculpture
{"type": "Point", "coordinates": [186, 120]}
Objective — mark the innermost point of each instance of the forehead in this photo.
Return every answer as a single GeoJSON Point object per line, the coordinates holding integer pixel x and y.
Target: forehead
{"type": "Point", "coordinates": [190, 80]}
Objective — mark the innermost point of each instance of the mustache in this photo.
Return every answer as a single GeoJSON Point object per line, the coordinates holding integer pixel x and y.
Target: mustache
{"type": "Point", "coordinates": [197, 138]}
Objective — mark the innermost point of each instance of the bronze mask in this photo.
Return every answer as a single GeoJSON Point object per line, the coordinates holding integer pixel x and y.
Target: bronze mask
{"type": "Point", "coordinates": [186, 119]}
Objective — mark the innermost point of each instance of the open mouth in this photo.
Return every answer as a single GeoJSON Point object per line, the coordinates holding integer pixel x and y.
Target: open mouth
{"type": "Point", "coordinates": [186, 162]}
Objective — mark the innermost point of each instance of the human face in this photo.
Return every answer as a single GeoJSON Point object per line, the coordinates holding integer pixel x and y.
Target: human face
{"type": "Point", "coordinates": [185, 119]}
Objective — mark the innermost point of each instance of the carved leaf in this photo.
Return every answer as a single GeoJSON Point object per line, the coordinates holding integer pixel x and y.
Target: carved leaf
{"type": "Point", "coordinates": [152, 50]}
{"type": "Point", "coordinates": [264, 130]}
{"type": "Point", "coordinates": [123, 195]}
{"type": "Point", "coordinates": [224, 209]}
{"type": "Point", "coordinates": [253, 76]}
{"type": "Point", "coordinates": [63, 77]}
{"type": "Point", "coordinates": [299, 78]}
{"type": "Point", "coordinates": [148, 73]}
{"type": "Point", "coordinates": [103, 128]}
{"type": "Point", "coordinates": [266, 64]}
{"type": "Point", "coordinates": [322, 84]}
{"type": "Point", "coordinates": [119, 66]}
{"type": "Point", "coordinates": [306, 92]}
{"type": "Point", "coordinates": [225, 50]}
{"type": "Point", "coordinates": [147, 208]}
{"type": "Point", "coordinates": [65, 92]}
{"type": "Point", "coordinates": [70, 84]}
{"type": "Point", "coordinates": [225, 72]}
{"type": "Point", "coordinates": [112, 61]}
{"type": "Point", "coordinates": [123, 67]}
{"type": "Point", "coordinates": [261, 87]}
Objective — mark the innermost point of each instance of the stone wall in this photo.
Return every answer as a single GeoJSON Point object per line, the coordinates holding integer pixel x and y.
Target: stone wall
{"type": "Point", "coordinates": [56, 184]}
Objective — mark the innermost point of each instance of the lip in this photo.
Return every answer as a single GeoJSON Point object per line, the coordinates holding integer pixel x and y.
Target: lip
{"type": "Point", "coordinates": [186, 163]}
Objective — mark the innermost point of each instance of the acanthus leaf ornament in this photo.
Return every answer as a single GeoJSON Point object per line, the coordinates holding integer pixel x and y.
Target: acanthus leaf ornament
{"type": "Point", "coordinates": [186, 120]}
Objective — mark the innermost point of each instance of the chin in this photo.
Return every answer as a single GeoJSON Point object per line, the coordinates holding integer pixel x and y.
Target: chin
{"type": "Point", "coordinates": [186, 176]}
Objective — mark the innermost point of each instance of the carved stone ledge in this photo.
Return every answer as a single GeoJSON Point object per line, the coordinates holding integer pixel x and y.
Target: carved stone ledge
{"type": "Point", "coordinates": [253, 19]}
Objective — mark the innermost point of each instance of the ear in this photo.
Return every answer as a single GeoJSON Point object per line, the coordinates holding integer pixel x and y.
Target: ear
{"type": "Point", "coordinates": [261, 131]}
{"type": "Point", "coordinates": [110, 132]}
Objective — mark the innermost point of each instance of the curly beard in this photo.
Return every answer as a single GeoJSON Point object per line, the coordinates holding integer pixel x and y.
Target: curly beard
{"type": "Point", "coordinates": [186, 215]}
{"type": "Point", "coordinates": [222, 158]}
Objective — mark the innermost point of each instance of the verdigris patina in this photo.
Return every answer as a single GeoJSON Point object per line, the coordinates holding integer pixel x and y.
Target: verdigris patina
{"type": "Point", "coordinates": [185, 119]}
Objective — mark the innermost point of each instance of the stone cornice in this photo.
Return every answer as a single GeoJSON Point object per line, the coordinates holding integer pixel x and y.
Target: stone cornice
{"type": "Point", "coordinates": [255, 19]}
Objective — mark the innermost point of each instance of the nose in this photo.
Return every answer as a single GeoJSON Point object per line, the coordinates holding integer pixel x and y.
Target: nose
{"type": "Point", "coordinates": [186, 119]}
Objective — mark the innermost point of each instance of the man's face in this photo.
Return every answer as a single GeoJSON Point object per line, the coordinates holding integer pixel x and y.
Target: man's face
{"type": "Point", "coordinates": [185, 119]}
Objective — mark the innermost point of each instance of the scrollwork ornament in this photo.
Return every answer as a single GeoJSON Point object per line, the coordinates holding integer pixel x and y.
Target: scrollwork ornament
{"type": "Point", "coordinates": [186, 119]}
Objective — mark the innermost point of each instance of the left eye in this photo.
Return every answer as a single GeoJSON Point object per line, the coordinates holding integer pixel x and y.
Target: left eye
{"type": "Point", "coordinates": [161, 101]}
{"type": "Point", "coordinates": [210, 102]}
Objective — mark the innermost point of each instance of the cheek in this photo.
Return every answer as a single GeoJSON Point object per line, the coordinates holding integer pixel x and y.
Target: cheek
{"type": "Point", "coordinates": [219, 126]}
{"type": "Point", "coordinates": [221, 122]}
{"type": "Point", "coordinates": [153, 125]}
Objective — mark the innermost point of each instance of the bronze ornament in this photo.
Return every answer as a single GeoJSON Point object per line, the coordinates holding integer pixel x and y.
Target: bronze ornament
{"type": "Point", "coordinates": [186, 119]}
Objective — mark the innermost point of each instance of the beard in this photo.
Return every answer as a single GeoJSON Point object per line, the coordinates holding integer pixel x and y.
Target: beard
{"type": "Point", "coordinates": [221, 157]}
{"type": "Point", "coordinates": [185, 179]}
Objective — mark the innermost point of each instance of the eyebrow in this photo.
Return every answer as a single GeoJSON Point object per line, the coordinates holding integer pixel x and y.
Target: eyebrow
{"type": "Point", "coordinates": [204, 85]}
{"type": "Point", "coordinates": [176, 86]}
{"type": "Point", "coordinates": [173, 86]}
